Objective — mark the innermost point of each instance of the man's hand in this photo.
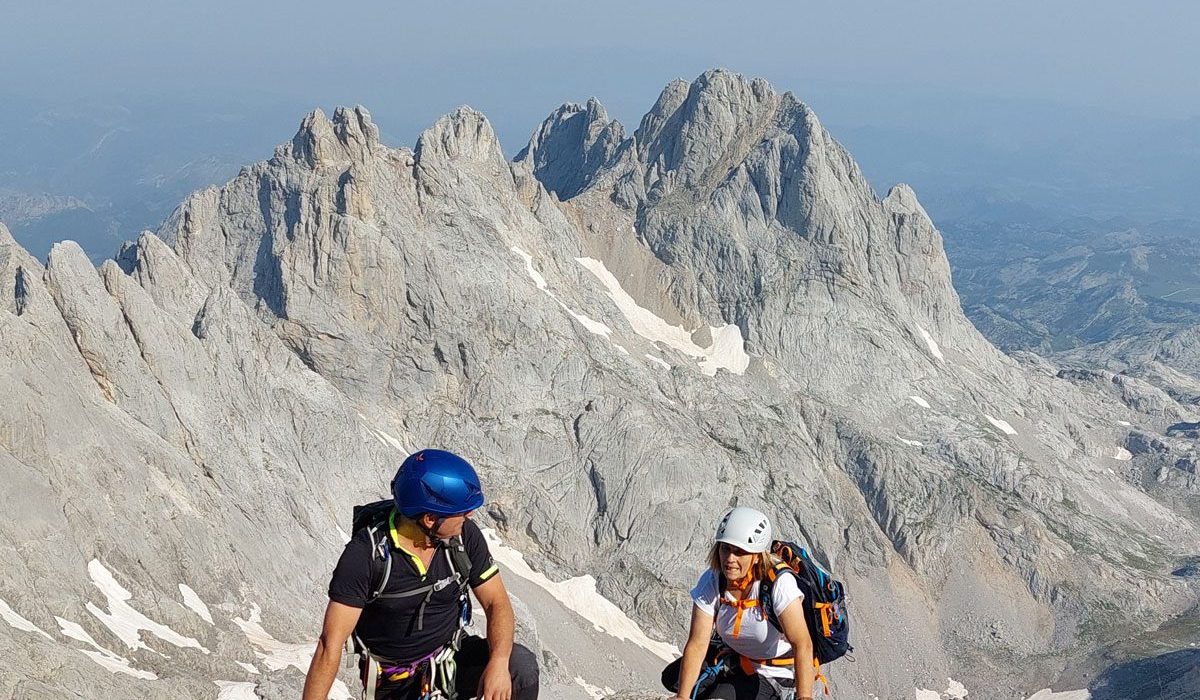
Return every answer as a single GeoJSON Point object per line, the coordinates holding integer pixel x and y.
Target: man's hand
{"type": "Point", "coordinates": [496, 683]}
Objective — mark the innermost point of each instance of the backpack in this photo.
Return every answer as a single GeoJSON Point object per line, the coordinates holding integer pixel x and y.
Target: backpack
{"type": "Point", "coordinates": [376, 519]}
{"type": "Point", "coordinates": [824, 600]}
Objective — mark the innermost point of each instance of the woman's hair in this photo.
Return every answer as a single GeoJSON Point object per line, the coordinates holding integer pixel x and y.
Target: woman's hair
{"type": "Point", "coordinates": [762, 563]}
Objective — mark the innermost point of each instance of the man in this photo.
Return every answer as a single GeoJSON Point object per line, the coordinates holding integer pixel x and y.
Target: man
{"type": "Point", "coordinates": [400, 589]}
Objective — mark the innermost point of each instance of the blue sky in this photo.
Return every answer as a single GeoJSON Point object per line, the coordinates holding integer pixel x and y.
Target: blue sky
{"type": "Point", "coordinates": [1136, 58]}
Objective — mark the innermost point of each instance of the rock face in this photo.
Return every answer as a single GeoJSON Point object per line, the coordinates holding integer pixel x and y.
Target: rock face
{"type": "Point", "coordinates": [626, 334]}
{"type": "Point", "coordinates": [572, 145]}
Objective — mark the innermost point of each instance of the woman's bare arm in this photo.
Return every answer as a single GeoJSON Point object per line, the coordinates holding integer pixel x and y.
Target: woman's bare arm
{"type": "Point", "coordinates": [694, 651]}
{"type": "Point", "coordinates": [796, 631]}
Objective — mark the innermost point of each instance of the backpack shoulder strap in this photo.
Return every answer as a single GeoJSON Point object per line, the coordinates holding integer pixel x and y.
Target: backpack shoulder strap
{"type": "Point", "coordinates": [766, 589]}
{"type": "Point", "coordinates": [381, 561]}
{"type": "Point", "coordinates": [460, 561]}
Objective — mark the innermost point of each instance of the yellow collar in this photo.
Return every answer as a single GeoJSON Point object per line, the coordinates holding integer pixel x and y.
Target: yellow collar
{"type": "Point", "coordinates": [409, 530]}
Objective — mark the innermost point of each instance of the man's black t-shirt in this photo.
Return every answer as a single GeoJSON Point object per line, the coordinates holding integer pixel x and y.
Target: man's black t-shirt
{"type": "Point", "coordinates": [388, 626]}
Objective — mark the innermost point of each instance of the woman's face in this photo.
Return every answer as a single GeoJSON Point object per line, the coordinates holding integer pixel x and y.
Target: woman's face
{"type": "Point", "coordinates": [735, 561]}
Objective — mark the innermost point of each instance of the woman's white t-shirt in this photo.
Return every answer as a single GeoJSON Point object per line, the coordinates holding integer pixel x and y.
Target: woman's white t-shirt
{"type": "Point", "coordinates": [757, 638]}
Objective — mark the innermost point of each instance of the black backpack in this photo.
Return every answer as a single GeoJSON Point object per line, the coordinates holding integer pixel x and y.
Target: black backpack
{"type": "Point", "coordinates": [824, 600]}
{"type": "Point", "coordinates": [375, 519]}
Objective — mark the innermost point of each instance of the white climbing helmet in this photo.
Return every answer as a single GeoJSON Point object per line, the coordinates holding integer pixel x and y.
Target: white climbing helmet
{"type": "Point", "coordinates": [746, 528]}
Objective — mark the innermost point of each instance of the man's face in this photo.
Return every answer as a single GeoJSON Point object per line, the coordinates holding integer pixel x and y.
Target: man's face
{"type": "Point", "coordinates": [451, 525]}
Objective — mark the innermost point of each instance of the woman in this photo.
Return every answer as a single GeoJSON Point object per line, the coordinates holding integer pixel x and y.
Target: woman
{"type": "Point", "coordinates": [754, 659]}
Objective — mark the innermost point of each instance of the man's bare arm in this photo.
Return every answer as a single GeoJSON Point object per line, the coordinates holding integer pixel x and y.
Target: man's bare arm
{"type": "Point", "coordinates": [340, 621]}
{"type": "Point", "coordinates": [496, 683]}
{"type": "Point", "coordinates": [501, 622]}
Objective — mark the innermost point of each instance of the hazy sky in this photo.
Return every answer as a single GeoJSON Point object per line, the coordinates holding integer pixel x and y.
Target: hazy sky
{"type": "Point", "coordinates": [1010, 108]}
{"type": "Point", "coordinates": [516, 60]}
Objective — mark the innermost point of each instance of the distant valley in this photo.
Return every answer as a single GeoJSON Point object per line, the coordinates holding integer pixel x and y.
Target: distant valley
{"type": "Point", "coordinates": [1054, 287]}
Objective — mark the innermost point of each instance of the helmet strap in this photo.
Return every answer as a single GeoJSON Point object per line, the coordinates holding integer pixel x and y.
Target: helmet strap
{"type": "Point", "coordinates": [744, 584]}
{"type": "Point", "coordinates": [431, 532]}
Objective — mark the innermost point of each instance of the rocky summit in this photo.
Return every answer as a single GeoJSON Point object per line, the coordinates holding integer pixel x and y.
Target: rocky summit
{"type": "Point", "coordinates": [626, 333]}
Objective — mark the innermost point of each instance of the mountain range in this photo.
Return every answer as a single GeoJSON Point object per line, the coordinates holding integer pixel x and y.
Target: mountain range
{"type": "Point", "coordinates": [627, 332]}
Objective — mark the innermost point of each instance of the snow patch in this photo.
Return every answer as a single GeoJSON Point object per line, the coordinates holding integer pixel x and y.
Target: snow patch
{"type": "Point", "coordinates": [919, 401]}
{"type": "Point", "coordinates": [595, 692]}
{"type": "Point", "coordinates": [621, 349]}
{"type": "Point", "coordinates": [15, 620]}
{"type": "Point", "coordinates": [1000, 425]}
{"type": "Point", "coordinates": [910, 443]}
{"type": "Point", "coordinates": [125, 622]}
{"type": "Point", "coordinates": [726, 352]}
{"type": "Point", "coordinates": [236, 690]}
{"type": "Point", "coordinates": [580, 595]}
{"type": "Point", "coordinates": [389, 440]}
{"type": "Point", "coordinates": [955, 690]}
{"type": "Point", "coordinates": [589, 324]}
{"type": "Point", "coordinates": [277, 655]}
{"type": "Point", "coordinates": [106, 658]}
{"type": "Point", "coordinates": [1047, 694]}
{"type": "Point", "coordinates": [73, 630]}
{"type": "Point", "coordinates": [1124, 423]}
{"type": "Point", "coordinates": [529, 268]}
{"type": "Point", "coordinates": [193, 601]}
{"type": "Point", "coordinates": [248, 668]}
{"type": "Point", "coordinates": [382, 436]}
{"type": "Point", "coordinates": [1122, 454]}
{"type": "Point", "coordinates": [118, 664]}
{"type": "Point", "coordinates": [659, 361]}
{"type": "Point", "coordinates": [931, 344]}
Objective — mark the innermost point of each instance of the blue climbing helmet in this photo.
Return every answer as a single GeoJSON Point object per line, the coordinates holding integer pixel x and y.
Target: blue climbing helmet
{"type": "Point", "coordinates": [438, 482]}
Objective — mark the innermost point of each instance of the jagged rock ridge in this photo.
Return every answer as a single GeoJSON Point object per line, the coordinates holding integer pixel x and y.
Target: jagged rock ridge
{"type": "Point", "coordinates": [564, 320]}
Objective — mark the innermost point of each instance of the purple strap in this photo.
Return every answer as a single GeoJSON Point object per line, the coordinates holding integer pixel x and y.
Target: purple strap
{"type": "Point", "coordinates": [410, 669]}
